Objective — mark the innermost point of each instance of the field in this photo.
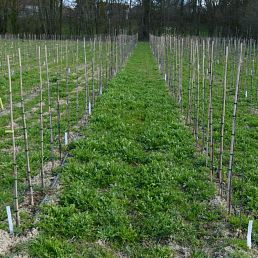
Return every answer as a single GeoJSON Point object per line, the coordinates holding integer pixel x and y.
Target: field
{"type": "Point", "coordinates": [142, 178]}
{"type": "Point", "coordinates": [60, 82]}
{"type": "Point", "coordinates": [201, 83]}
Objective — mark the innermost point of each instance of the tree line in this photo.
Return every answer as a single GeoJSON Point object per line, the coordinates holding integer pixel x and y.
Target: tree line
{"type": "Point", "coordinates": [80, 17]}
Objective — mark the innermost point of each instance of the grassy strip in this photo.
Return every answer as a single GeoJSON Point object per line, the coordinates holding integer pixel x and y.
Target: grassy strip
{"type": "Point", "coordinates": [135, 186]}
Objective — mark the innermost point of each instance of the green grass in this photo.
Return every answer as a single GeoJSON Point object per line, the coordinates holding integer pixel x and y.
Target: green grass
{"type": "Point", "coordinates": [245, 176]}
{"type": "Point", "coordinates": [30, 82]}
{"type": "Point", "coordinates": [135, 185]}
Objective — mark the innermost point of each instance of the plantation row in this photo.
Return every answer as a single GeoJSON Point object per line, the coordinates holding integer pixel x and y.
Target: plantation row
{"type": "Point", "coordinates": [214, 81]}
{"type": "Point", "coordinates": [48, 90]}
{"type": "Point", "coordinates": [135, 186]}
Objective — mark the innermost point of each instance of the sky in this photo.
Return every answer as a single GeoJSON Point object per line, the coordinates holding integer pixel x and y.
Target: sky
{"type": "Point", "coordinates": [70, 3]}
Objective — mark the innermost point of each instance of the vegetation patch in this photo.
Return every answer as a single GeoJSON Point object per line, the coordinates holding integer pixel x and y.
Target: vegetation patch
{"type": "Point", "coordinates": [134, 186]}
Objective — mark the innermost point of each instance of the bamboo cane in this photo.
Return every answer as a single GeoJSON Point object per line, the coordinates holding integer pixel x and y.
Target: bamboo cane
{"type": "Point", "coordinates": [59, 123]}
{"type": "Point", "coordinates": [211, 110]}
{"type": "Point", "coordinates": [67, 72]}
{"type": "Point", "coordinates": [230, 167]}
{"type": "Point", "coordinates": [203, 94]}
{"type": "Point", "coordinates": [49, 110]}
{"type": "Point", "coordinates": [87, 92]}
{"type": "Point", "coordinates": [25, 134]}
{"type": "Point", "coordinates": [41, 122]}
{"type": "Point", "coordinates": [15, 172]}
{"type": "Point", "coordinates": [77, 81]}
{"type": "Point", "coordinates": [223, 125]}
{"type": "Point", "coordinates": [197, 93]}
{"type": "Point", "coordinates": [189, 107]}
